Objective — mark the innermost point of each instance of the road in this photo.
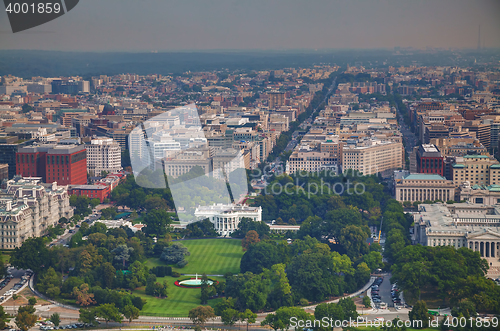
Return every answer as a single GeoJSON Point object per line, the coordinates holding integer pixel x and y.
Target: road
{"type": "Point", "coordinates": [65, 238]}
{"type": "Point", "coordinates": [302, 126]}
{"type": "Point", "coordinates": [408, 136]}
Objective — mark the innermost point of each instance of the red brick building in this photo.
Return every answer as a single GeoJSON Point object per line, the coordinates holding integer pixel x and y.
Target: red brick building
{"type": "Point", "coordinates": [430, 160]}
{"type": "Point", "coordinates": [100, 192]}
{"type": "Point", "coordinates": [64, 164]}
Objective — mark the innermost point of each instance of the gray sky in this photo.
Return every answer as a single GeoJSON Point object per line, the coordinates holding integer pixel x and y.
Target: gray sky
{"type": "Point", "coordinates": [163, 25]}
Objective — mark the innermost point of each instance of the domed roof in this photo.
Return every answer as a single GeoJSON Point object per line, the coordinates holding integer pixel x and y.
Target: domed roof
{"type": "Point", "coordinates": [108, 109]}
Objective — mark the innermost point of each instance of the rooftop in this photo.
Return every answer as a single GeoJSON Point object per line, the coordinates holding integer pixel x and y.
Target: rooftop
{"type": "Point", "coordinates": [424, 177]}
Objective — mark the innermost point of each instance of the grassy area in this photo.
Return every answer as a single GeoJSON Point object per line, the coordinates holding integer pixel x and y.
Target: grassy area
{"type": "Point", "coordinates": [178, 303]}
{"type": "Point", "coordinates": [210, 256]}
{"type": "Point", "coordinates": [5, 257]}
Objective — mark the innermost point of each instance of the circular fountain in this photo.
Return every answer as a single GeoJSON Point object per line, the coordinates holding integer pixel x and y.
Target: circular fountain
{"type": "Point", "coordinates": [192, 282]}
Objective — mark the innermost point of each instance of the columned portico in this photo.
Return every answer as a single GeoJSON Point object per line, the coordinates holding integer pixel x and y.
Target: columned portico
{"type": "Point", "coordinates": [487, 243]}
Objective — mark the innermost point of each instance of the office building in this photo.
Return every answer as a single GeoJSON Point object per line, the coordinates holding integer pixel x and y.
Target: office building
{"type": "Point", "coordinates": [103, 154]}
{"type": "Point", "coordinates": [422, 187]}
{"type": "Point", "coordinates": [9, 146]}
{"type": "Point", "coordinates": [371, 156]}
{"type": "Point", "coordinates": [28, 208]}
{"type": "Point", "coordinates": [475, 226]}
{"type": "Point", "coordinates": [64, 164]}
{"type": "Point", "coordinates": [429, 160]}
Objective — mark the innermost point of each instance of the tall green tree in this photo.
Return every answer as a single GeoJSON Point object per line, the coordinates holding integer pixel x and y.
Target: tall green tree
{"type": "Point", "coordinates": [33, 254]}
{"type": "Point", "coordinates": [130, 312]}
{"type": "Point", "coordinates": [248, 316]}
{"type": "Point", "coordinates": [88, 316]}
{"type": "Point", "coordinates": [55, 318]}
{"type": "Point", "coordinates": [108, 312]}
{"type": "Point", "coordinates": [419, 312]}
{"type": "Point", "coordinates": [201, 314]}
{"type": "Point", "coordinates": [230, 316]}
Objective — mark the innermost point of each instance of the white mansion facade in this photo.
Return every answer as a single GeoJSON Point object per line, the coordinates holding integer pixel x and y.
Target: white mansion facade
{"type": "Point", "coordinates": [226, 218]}
{"type": "Point", "coordinates": [28, 207]}
{"type": "Point", "coordinates": [475, 226]}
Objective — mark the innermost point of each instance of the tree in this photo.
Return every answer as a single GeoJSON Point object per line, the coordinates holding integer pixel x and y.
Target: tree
{"type": "Point", "coordinates": [108, 312]}
{"type": "Point", "coordinates": [33, 255]}
{"type": "Point", "coordinates": [49, 283]}
{"type": "Point", "coordinates": [204, 289]}
{"type": "Point", "coordinates": [252, 237]}
{"type": "Point", "coordinates": [122, 253]}
{"type": "Point", "coordinates": [88, 316]}
{"type": "Point", "coordinates": [55, 318]}
{"type": "Point", "coordinates": [32, 301]}
{"type": "Point", "coordinates": [25, 318]}
{"type": "Point", "coordinates": [175, 254]}
{"type": "Point", "coordinates": [230, 316]}
{"type": "Point", "coordinates": [419, 313]}
{"type": "Point", "coordinates": [353, 239]}
{"type": "Point", "coordinates": [82, 295]}
{"type": "Point", "coordinates": [248, 316]}
{"type": "Point", "coordinates": [283, 317]}
{"type": "Point", "coordinates": [156, 222]}
{"type": "Point", "coordinates": [201, 314]}
{"type": "Point", "coordinates": [95, 202]}
{"type": "Point", "coordinates": [222, 305]}
{"type": "Point", "coordinates": [130, 312]}
{"type": "Point", "coordinates": [467, 308]}
{"type": "Point", "coordinates": [367, 302]}
{"type": "Point", "coordinates": [3, 318]}
{"type": "Point", "coordinates": [108, 274]}
{"type": "Point", "coordinates": [260, 256]}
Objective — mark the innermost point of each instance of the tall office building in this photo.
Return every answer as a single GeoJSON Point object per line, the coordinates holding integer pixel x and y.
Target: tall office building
{"type": "Point", "coordinates": [429, 160]}
{"type": "Point", "coordinates": [9, 145]}
{"type": "Point", "coordinates": [103, 154]}
{"type": "Point", "coordinates": [276, 99]}
{"type": "Point", "coordinates": [64, 164]}
{"type": "Point", "coordinates": [372, 156]}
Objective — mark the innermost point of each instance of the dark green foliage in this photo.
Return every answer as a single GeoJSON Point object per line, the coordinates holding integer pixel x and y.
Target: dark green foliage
{"type": "Point", "coordinates": [162, 271]}
{"type": "Point", "coordinates": [200, 229]}
{"type": "Point", "coordinates": [175, 254]}
{"type": "Point", "coordinates": [419, 313]}
{"type": "Point", "coordinates": [246, 224]}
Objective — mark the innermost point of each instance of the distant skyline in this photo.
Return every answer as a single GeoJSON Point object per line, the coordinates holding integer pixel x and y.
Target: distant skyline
{"type": "Point", "coordinates": [166, 25]}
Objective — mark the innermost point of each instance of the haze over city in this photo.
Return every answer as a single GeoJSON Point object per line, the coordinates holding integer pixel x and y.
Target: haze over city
{"type": "Point", "coordinates": [158, 25]}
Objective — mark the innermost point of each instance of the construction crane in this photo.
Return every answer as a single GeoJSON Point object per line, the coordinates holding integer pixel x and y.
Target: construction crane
{"type": "Point", "coordinates": [380, 231]}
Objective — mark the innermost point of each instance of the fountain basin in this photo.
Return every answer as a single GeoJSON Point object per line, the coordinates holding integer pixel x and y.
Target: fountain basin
{"type": "Point", "coordinates": [192, 282]}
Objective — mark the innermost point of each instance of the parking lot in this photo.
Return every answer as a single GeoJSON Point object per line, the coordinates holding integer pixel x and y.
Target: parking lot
{"type": "Point", "coordinates": [14, 280]}
{"type": "Point", "coordinates": [50, 326]}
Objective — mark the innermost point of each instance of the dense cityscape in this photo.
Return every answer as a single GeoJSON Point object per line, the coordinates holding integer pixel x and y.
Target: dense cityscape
{"type": "Point", "coordinates": [278, 165]}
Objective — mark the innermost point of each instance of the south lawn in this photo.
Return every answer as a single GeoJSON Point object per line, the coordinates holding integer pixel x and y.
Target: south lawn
{"type": "Point", "coordinates": [210, 256]}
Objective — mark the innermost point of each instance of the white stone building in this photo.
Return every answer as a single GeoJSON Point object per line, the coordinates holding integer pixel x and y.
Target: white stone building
{"type": "Point", "coordinates": [103, 154]}
{"type": "Point", "coordinates": [474, 226]}
{"type": "Point", "coordinates": [226, 218]}
{"type": "Point", "coordinates": [28, 208]}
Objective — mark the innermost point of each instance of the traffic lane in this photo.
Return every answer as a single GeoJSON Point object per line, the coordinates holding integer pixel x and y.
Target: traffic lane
{"type": "Point", "coordinates": [385, 291]}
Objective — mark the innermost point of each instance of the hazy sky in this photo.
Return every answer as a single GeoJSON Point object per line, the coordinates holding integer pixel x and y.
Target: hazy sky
{"type": "Point", "coordinates": [146, 25]}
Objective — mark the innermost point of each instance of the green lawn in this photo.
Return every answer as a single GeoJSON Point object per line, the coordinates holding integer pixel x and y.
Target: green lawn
{"type": "Point", "coordinates": [178, 303]}
{"type": "Point", "coordinates": [210, 256]}
{"type": "Point", "coordinates": [5, 257]}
